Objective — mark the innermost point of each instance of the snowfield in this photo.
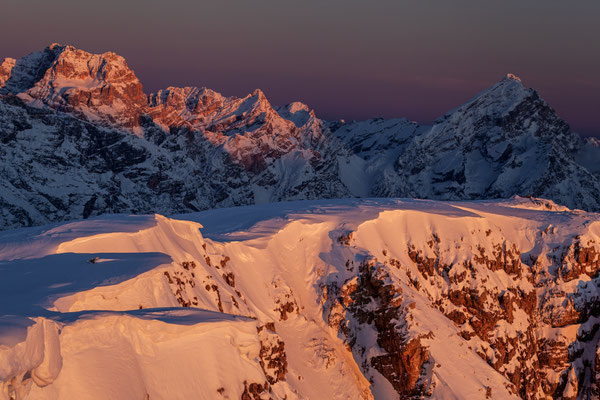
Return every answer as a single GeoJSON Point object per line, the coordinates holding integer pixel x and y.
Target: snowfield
{"type": "Point", "coordinates": [327, 299]}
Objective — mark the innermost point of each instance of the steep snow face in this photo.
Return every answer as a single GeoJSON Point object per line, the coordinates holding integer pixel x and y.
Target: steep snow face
{"type": "Point", "coordinates": [297, 112]}
{"type": "Point", "coordinates": [20, 75]}
{"type": "Point", "coordinates": [373, 139]}
{"type": "Point", "coordinates": [332, 299]}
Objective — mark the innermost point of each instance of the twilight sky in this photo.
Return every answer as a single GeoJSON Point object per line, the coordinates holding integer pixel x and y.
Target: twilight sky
{"type": "Point", "coordinates": [351, 59]}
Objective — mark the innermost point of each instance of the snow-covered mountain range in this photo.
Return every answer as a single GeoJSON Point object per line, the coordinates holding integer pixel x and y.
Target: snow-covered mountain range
{"type": "Point", "coordinates": [79, 138]}
{"type": "Point", "coordinates": [327, 299]}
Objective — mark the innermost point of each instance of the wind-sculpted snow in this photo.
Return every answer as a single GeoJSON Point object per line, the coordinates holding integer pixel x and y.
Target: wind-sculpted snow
{"type": "Point", "coordinates": [375, 298]}
{"type": "Point", "coordinates": [79, 138]}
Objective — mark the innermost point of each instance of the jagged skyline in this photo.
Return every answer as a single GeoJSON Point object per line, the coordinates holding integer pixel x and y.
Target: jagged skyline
{"type": "Point", "coordinates": [299, 200]}
{"type": "Point", "coordinates": [237, 151]}
{"type": "Point", "coordinates": [349, 60]}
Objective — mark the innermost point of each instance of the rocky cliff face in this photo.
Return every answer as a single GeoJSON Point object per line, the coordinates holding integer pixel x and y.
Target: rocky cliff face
{"type": "Point", "coordinates": [81, 138]}
{"type": "Point", "coordinates": [528, 307]}
{"type": "Point", "coordinates": [98, 87]}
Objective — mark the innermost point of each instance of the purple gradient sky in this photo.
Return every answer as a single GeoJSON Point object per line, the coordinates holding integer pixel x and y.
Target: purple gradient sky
{"type": "Point", "coordinates": [346, 59]}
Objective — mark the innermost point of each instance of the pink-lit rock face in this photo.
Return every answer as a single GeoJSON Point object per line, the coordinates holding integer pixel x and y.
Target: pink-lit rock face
{"type": "Point", "coordinates": [97, 87]}
{"type": "Point", "coordinates": [102, 89]}
{"type": "Point", "coordinates": [175, 106]}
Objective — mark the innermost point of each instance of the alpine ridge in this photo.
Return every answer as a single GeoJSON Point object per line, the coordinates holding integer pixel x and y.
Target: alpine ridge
{"type": "Point", "coordinates": [328, 299]}
{"type": "Point", "coordinates": [79, 138]}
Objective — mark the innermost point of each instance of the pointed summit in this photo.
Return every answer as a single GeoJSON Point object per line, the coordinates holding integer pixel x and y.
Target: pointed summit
{"type": "Point", "coordinates": [511, 77]}
{"type": "Point", "coordinates": [259, 93]}
{"type": "Point", "coordinates": [509, 86]}
{"type": "Point", "coordinates": [255, 104]}
{"type": "Point", "coordinates": [507, 80]}
{"type": "Point", "coordinates": [495, 101]}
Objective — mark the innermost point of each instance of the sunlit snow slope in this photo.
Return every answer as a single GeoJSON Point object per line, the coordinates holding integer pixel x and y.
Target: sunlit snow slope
{"type": "Point", "coordinates": [339, 299]}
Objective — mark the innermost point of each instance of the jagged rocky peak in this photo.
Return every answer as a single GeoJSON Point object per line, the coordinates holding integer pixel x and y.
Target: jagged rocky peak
{"type": "Point", "coordinates": [77, 64]}
{"type": "Point", "coordinates": [256, 107]}
{"type": "Point", "coordinates": [515, 110]}
{"type": "Point", "coordinates": [190, 98]}
{"type": "Point", "coordinates": [176, 106]}
{"type": "Point", "coordinates": [296, 115]}
{"type": "Point", "coordinates": [70, 79]}
{"type": "Point", "coordinates": [102, 89]}
{"type": "Point", "coordinates": [205, 109]}
{"type": "Point", "coordinates": [197, 149]}
{"type": "Point", "coordinates": [17, 76]}
{"type": "Point", "coordinates": [251, 116]}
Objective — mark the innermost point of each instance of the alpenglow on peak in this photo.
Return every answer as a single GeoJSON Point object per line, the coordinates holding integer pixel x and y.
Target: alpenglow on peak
{"type": "Point", "coordinates": [512, 77]}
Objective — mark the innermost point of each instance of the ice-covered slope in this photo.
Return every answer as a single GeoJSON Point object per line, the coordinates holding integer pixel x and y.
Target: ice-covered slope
{"type": "Point", "coordinates": [324, 299]}
{"type": "Point", "coordinates": [79, 138]}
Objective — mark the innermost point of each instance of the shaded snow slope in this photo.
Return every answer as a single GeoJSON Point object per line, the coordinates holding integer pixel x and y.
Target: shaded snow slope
{"type": "Point", "coordinates": [374, 298]}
